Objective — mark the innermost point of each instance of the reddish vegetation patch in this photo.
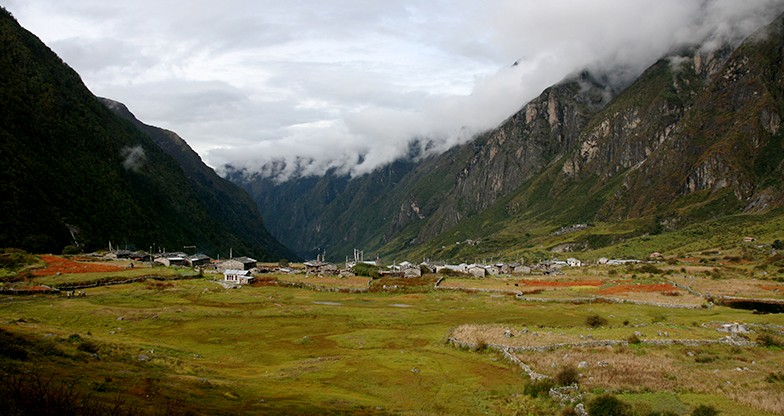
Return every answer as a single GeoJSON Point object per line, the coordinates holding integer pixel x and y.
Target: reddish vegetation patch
{"type": "Point", "coordinates": [658, 287]}
{"type": "Point", "coordinates": [690, 260]}
{"type": "Point", "coordinates": [773, 288]}
{"type": "Point", "coordinates": [550, 283]}
{"type": "Point", "coordinates": [60, 265]}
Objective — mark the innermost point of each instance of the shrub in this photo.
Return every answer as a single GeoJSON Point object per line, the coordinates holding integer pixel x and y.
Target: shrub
{"type": "Point", "coordinates": [567, 376]}
{"type": "Point", "coordinates": [649, 268]}
{"type": "Point", "coordinates": [595, 321]}
{"type": "Point", "coordinates": [283, 263]}
{"type": "Point", "coordinates": [767, 340]}
{"type": "Point", "coordinates": [368, 270]}
{"type": "Point", "coordinates": [569, 411]}
{"type": "Point", "coordinates": [539, 388]}
{"type": "Point", "coordinates": [704, 359]}
{"type": "Point", "coordinates": [704, 410]}
{"type": "Point", "coordinates": [88, 347]}
{"type": "Point", "coordinates": [481, 345]}
{"type": "Point", "coordinates": [633, 339]}
{"type": "Point", "coordinates": [71, 249]}
{"type": "Point", "coordinates": [775, 377]}
{"type": "Point", "coordinates": [778, 245]}
{"type": "Point", "coordinates": [608, 405]}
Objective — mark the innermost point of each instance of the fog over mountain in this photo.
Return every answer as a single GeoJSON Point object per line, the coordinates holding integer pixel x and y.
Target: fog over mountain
{"type": "Point", "coordinates": [280, 88]}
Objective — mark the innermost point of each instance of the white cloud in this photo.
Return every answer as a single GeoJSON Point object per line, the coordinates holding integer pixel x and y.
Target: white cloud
{"type": "Point", "coordinates": [276, 86]}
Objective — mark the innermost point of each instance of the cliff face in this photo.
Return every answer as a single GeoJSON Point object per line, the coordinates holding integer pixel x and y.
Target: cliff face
{"type": "Point", "coordinates": [696, 122]}
{"type": "Point", "coordinates": [696, 126]}
{"type": "Point", "coordinates": [499, 162]}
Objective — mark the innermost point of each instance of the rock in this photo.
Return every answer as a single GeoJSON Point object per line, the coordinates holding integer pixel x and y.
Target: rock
{"type": "Point", "coordinates": [508, 334]}
{"type": "Point", "coordinates": [143, 357]}
{"type": "Point", "coordinates": [120, 318]}
{"type": "Point", "coordinates": [583, 364]}
{"type": "Point", "coordinates": [415, 370]}
{"type": "Point", "coordinates": [603, 364]}
{"type": "Point", "coordinates": [690, 353]}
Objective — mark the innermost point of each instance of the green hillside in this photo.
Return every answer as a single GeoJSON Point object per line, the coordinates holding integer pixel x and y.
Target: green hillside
{"type": "Point", "coordinates": [73, 173]}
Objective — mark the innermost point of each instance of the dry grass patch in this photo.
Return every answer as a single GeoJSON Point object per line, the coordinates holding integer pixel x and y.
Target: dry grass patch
{"type": "Point", "coordinates": [751, 288]}
{"type": "Point", "coordinates": [354, 282]}
{"type": "Point", "coordinates": [739, 374]}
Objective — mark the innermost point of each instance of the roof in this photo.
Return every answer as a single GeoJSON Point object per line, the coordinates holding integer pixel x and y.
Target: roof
{"type": "Point", "coordinates": [243, 259]}
{"type": "Point", "coordinates": [238, 272]}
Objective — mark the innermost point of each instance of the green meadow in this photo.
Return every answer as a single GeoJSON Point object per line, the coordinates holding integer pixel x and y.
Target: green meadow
{"type": "Point", "coordinates": [193, 347]}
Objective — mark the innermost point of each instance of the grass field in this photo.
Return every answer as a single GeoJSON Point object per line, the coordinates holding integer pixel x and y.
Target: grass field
{"type": "Point", "coordinates": [193, 347]}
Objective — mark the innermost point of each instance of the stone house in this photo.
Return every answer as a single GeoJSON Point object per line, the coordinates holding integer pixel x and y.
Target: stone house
{"type": "Point", "coordinates": [198, 260]}
{"type": "Point", "coordinates": [477, 270]}
{"type": "Point", "coordinates": [172, 259]}
{"type": "Point", "coordinates": [238, 263]}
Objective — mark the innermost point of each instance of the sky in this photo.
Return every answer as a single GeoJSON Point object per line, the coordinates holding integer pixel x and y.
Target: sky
{"type": "Point", "coordinates": [288, 88]}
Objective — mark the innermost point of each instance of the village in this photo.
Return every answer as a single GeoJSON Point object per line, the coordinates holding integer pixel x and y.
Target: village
{"type": "Point", "coordinates": [243, 270]}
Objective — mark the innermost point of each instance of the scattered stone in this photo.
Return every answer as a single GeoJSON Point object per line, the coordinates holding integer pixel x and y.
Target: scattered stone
{"type": "Point", "coordinates": [508, 334]}
{"type": "Point", "coordinates": [603, 364]}
{"type": "Point", "coordinates": [415, 370]}
{"type": "Point", "coordinates": [120, 318]}
{"type": "Point", "coordinates": [143, 357]}
{"type": "Point", "coordinates": [690, 353]}
{"type": "Point", "coordinates": [583, 364]}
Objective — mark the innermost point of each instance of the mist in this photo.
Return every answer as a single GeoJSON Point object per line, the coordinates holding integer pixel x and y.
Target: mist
{"type": "Point", "coordinates": [286, 89]}
{"type": "Point", "coordinates": [550, 41]}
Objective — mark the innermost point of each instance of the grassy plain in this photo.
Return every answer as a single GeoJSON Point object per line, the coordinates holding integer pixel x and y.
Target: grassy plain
{"type": "Point", "coordinates": [194, 347]}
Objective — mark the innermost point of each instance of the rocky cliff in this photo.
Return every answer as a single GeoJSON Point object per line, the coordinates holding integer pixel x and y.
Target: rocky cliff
{"type": "Point", "coordinates": [700, 127]}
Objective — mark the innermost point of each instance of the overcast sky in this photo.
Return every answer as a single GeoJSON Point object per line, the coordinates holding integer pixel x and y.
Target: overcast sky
{"type": "Point", "coordinates": [348, 84]}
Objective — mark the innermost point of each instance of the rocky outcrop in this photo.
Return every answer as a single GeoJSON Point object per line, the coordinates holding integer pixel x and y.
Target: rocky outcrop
{"type": "Point", "coordinates": [703, 123]}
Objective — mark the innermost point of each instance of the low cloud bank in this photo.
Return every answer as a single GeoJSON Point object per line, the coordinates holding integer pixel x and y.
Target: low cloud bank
{"type": "Point", "coordinates": [618, 39]}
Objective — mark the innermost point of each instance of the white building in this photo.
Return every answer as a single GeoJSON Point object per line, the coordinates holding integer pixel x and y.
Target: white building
{"type": "Point", "coordinates": [240, 277]}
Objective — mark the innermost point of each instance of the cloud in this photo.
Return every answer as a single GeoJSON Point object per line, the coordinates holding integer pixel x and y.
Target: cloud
{"type": "Point", "coordinates": [133, 157]}
{"type": "Point", "coordinates": [285, 88]}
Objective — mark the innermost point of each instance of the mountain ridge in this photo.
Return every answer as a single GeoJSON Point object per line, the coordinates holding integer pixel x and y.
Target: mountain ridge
{"type": "Point", "coordinates": [560, 160]}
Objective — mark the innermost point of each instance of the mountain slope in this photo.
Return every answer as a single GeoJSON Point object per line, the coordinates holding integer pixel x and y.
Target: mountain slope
{"type": "Point", "coordinates": [694, 138]}
{"type": "Point", "coordinates": [417, 200]}
{"type": "Point", "coordinates": [74, 173]}
{"type": "Point", "coordinates": [221, 199]}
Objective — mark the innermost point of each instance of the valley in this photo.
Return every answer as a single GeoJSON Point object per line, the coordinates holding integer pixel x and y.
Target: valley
{"type": "Point", "coordinates": [648, 334]}
{"type": "Point", "coordinates": [614, 245]}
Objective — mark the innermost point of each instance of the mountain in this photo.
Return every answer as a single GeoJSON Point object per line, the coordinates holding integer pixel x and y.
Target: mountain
{"type": "Point", "coordinates": [73, 172]}
{"type": "Point", "coordinates": [695, 138]}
